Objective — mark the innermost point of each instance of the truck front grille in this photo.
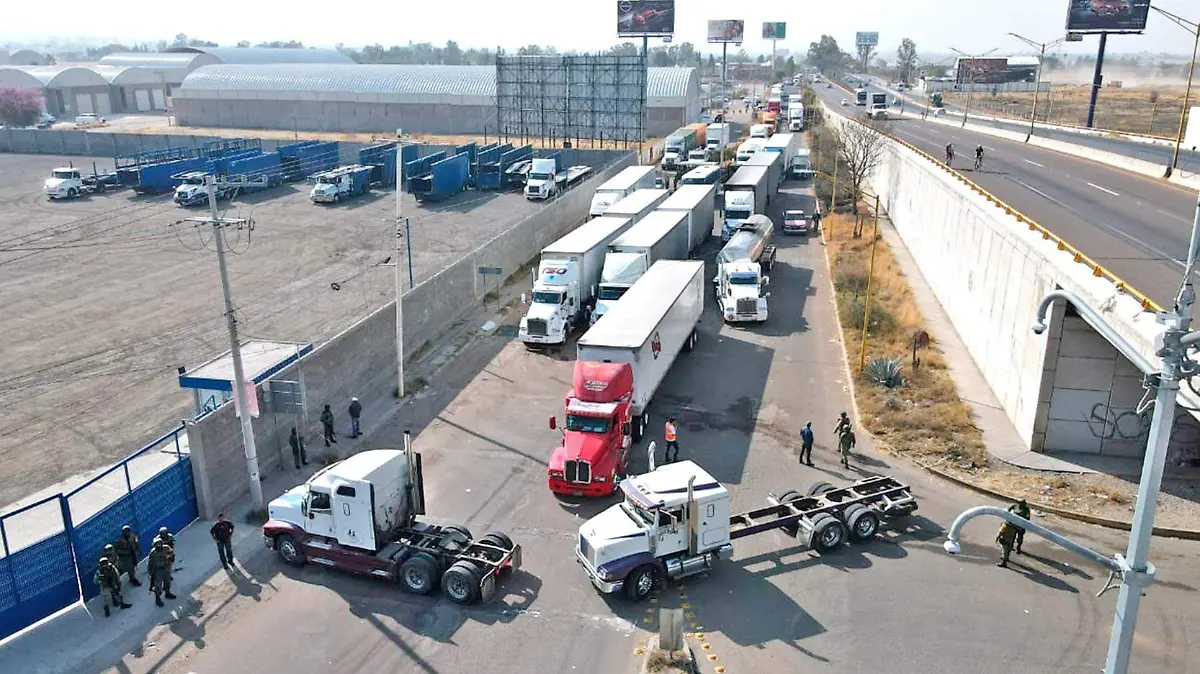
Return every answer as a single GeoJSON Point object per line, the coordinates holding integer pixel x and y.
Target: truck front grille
{"type": "Point", "coordinates": [585, 550]}
{"type": "Point", "coordinates": [747, 306]}
{"type": "Point", "coordinates": [579, 471]}
{"type": "Point", "coordinates": [536, 326]}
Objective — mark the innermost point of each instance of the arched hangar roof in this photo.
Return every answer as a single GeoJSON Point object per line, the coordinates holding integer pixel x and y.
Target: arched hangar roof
{"type": "Point", "coordinates": [52, 77]}
{"type": "Point", "coordinates": [263, 55]}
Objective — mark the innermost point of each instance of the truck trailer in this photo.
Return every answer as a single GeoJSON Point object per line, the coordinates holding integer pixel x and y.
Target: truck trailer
{"type": "Point", "coordinates": [677, 146]}
{"type": "Point", "coordinates": [638, 204]}
{"type": "Point", "coordinates": [699, 201]}
{"type": "Point", "coordinates": [616, 188]}
{"type": "Point", "coordinates": [745, 194]}
{"type": "Point", "coordinates": [716, 138]}
{"type": "Point", "coordinates": [341, 183]}
{"type": "Point", "coordinates": [567, 279]}
{"type": "Point", "coordinates": [661, 235]}
{"type": "Point", "coordinates": [675, 521]}
{"type": "Point", "coordinates": [360, 515]}
{"type": "Point", "coordinates": [621, 362]}
{"type": "Point", "coordinates": [784, 145]}
{"type": "Point", "coordinates": [741, 284]}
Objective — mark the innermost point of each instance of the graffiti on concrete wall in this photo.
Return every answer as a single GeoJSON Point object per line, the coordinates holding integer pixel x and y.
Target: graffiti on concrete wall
{"type": "Point", "coordinates": [1108, 423]}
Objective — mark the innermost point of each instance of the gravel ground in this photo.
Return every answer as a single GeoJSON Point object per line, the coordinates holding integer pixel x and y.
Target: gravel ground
{"type": "Point", "coordinates": [105, 296]}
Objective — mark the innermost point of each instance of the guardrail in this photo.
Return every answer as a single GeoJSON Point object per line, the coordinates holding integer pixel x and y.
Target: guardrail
{"type": "Point", "coordinates": [1080, 257]}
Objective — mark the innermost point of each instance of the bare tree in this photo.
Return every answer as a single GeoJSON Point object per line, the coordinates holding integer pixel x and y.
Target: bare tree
{"type": "Point", "coordinates": [906, 59]}
{"type": "Point", "coordinates": [865, 52]}
{"type": "Point", "coordinates": [861, 147]}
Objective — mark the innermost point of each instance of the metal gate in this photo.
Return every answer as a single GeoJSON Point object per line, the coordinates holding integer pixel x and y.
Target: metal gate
{"type": "Point", "coordinates": [37, 572]}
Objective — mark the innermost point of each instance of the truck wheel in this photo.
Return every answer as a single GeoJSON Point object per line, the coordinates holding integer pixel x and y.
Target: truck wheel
{"type": "Point", "coordinates": [789, 496]}
{"type": "Point", "coordinates": [498, 539]}
{"type": "Point", "coordinates": [461, 530]}
{"type": "Point", "coordinates": [418, 574]}
{"type": "Point", "coordinates": [289, 550]}
{"type": "Point", "coordinates": [72, 193]}
{"type": "Point", "coordinates": [818, 488]}
{"type": "Point", "coordinates": [639, 583]}
{"type": "Point", "coordinates": [827, 534]}
{"type": "Point", "coordinates": [461, 582]}
{"type": "Point", "coordinates": [862, 522]}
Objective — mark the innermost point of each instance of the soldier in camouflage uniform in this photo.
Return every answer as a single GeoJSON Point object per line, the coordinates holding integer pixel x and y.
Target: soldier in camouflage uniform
{"type": "Point", "coordinates": [1006, 537]}
{"type": "Point", "coordinates": [165, 535]}
{"type": "Point", "coordinates": [108, 579]}
{"type": "Point", "coordinates": [1020, 509]}
{"type": "Point", "coordinates": [129, 551]}
{"type": "Point", "coordinates": [162, 558]}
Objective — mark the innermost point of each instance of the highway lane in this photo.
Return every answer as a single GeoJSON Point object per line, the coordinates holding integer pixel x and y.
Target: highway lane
{"type": "Point", "coordinates": [1189, 160]}
{"type": "Point", "coordinates": [1135, 226]}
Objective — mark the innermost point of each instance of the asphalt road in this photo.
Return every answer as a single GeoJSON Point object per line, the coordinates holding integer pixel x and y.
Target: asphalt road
{"type": "Point", "coordinates": [1189, 160]}
{"type": "Point", "coordinates": [898, 604]}
{"type": "Point", "coordinates": [1135, 226]}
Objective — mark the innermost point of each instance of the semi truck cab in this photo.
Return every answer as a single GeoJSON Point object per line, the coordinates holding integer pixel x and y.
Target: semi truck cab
{"type": "Point", "coordinates": [739, 206]}
{"type": "Point", "coordinates": [742, 291]}
{"type": "Point", "coordinates": [555, 305]}
{"type": "Point", "coordinates": [541, 182]}
{"type": "Point", "coordinates": [63, 183]}
{"type": "Point", "coordinates": [594, 454]}
{"type": "Point", "coordinates": [621, 271]}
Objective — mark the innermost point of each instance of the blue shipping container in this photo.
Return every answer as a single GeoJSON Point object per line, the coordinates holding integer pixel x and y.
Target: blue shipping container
{"type": "Point", "coordinates": [446, 178]}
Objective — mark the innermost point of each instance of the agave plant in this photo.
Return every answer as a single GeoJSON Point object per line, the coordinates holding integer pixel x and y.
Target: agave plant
{"type": "Point", "coordinates": [885, 372]}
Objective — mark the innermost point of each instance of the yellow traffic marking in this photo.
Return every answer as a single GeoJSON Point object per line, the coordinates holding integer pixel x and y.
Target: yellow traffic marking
{"type": "Point", "coordinates": [706, 646]}
{"type": "Point", "coordinates": [712, 657]}
{"type": "Point", "coordinates": [699, 635]}
{"type": "Point", "coordinates": [719, 669]}
{"type": "Point", "coordinates": [639, 651]}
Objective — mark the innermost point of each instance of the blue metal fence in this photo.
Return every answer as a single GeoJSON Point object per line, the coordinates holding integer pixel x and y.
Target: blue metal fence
{"type": "Point", "coordinates": [151, 488]}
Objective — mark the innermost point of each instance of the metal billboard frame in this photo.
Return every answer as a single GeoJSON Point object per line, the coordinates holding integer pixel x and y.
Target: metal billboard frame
{"type": "Point", "coordinates": [774, 30]}
{"type": "Point", "coordinates": [632, 7]}
{"type": "Point", "coordinates": [863, 39]}
{"type": "Point", "coordinates": [1134, 6]}
{"type": "Point", "coordinates": [728, 23]}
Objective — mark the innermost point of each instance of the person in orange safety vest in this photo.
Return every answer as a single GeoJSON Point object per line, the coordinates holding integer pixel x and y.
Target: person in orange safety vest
{"type": "Point", "coordinates": [672, 436]}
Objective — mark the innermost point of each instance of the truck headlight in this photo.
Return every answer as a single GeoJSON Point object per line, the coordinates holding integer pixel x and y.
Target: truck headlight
{"type": "Point", "coordinates": [556, 474]}
{"type": "Point", "coordinates": [605, 574]}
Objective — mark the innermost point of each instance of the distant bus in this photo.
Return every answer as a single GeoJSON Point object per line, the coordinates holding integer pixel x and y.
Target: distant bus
{"type": "Point", "coordinates": [703, 175]}
{"type": "Point", "coordinates": [860, 96]}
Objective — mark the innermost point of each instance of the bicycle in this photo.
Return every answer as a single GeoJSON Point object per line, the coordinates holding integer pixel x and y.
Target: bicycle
{"type": "Point", "coordinates": [978, 162]}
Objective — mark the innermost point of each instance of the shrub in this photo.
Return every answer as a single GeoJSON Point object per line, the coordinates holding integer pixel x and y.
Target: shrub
{"type": "Point", "coordinates": [885, 372]}
{"type": "Point", "coordinates": [882, 321]}
{"type": "Point", "coordinates": [20, 107]}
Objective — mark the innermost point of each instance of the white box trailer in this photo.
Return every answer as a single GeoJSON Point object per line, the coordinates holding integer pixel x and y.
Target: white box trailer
{"type": "Point", "coordinates": [620, 186]}
{"type": "Point", "coordinates": [700, 203]}
{"type": "Point", "coordinates": [662, 235]}
{"type": "Point", "coordinates": [637, 205]}
{"type": "Point", "coordinates": [745, 194]}
{"type": "Point", "coordinates": [784, 145]}
{"type": "Point", "coordinates": [655, 322]}
{"type": "Point", "coordinates": [773, 163]}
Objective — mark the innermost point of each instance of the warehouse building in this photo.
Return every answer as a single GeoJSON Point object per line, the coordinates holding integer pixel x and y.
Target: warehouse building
{"type": "Point", "coordinates": [382, 98]}
{"type": "Point", "coordinates": [175, 64]}
{"type": "Point", "coordinates": [71, 90]}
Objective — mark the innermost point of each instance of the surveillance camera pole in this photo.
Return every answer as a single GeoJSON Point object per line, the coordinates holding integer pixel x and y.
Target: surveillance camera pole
{"type": "Point", "coordinates": [1134, 567]}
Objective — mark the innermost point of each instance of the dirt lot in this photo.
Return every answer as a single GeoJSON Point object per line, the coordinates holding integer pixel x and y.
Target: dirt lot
{"type": "Point", "coordinates": [1147, 111]}
{"type": "Point", "coordinates": [104, 297]}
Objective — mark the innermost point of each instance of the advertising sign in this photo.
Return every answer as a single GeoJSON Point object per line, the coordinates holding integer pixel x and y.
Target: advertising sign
{"type": "Point", "coordinates": [774, 30]}
{"type": "Point", "coordinates": [726, 30]}
{"type": "Point", "coordinates": [636, 18]}
{"type": "Point", "coordinates": [1107, 16]}
{"type": "Point", "coordinates": [982, 70]}
{"type": "Point", "coordinates": [867, 39]}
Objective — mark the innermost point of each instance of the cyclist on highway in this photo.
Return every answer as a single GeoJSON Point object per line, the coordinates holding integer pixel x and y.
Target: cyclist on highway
{"type": "Point", "coordinates": [949, 153]}
{"type": "Point", "coordinates": [978, 157]}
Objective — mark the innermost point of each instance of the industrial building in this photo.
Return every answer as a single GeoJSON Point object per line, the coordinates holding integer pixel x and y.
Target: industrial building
{"type": "Point", "coordinates": [434, 99]}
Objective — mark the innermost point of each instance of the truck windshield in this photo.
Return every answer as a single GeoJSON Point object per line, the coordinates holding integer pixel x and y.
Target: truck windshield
{"type": "Point", "coordinates": [637, 512]}
{"type": "Point", "coordinates": [743, 279]}
{"type": "Point", "coordinates": [547, 297]}
{"type": "Point", "coordinates": [611, 292]}
{"type": "Point", "coordinates": [64, 174]}
{"type": "Point", "coordinates": [539, 176]}
{"type": "Point", "coordinates": [576, 422]}
{"type": "Point", "coordinates": [731, 214]}
{"type": "Point", "coordinates": [323, 180]}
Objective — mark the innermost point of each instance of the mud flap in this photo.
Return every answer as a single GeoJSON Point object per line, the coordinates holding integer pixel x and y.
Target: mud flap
{"type": "Point", "coordinates": [487, 587]}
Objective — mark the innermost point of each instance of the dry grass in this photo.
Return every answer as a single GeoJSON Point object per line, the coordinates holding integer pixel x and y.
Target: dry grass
{"type": "Point", "coordinates": [925, 417]}
{"type": "Point", "coordinates": [1147, 111]}
{"type": "Point", "coordinates": [666, 662]}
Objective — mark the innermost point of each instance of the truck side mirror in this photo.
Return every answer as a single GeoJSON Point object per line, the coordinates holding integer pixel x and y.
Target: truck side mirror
{"type": "Point", "coordinates": [553, 423]}
{"type": "Point", "coordinates": [626, 428]}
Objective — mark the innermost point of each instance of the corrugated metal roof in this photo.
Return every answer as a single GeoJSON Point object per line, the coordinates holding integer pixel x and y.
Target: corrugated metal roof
{"type": "Point", "coordinates": [60, 76]}
{"type": "Point", "coordinates": [152, 60]}
{"type": "Point", "coordinates": [263, 55]}
{"type": "Point", "coordinates": [392, 79]}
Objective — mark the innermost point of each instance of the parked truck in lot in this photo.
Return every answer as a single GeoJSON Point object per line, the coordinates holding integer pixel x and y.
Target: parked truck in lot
{"type": "Point", "coordinates": [699, 202]}
{"type": "Point", "coordinates": [341, 183]}
{"type": "Point", "coordinates": [661, 235]}
{"type": "Point", "coordinates": [745, 194]}
{"type": "Point", "coordinates": [68, 182]}
{"type": "Point", "coordinates": [616, 188]}
{"type": "Point", "coordinates": [549, 176]}
{"type": "Point", "coordinates": [741, 281]}
{"type": "Point", "coordinates": [676, 521]}
{"type": "Point", "coordinates": [677, 145]}
{"type": "Point", "coordinates": [621, 362]}
{"type": "Point", "coordinates": [360, 515]}
{"type": "Point", "coordinates": [567, 279]}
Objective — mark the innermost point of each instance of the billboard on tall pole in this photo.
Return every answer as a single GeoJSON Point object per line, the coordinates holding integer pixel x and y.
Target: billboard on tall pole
{"type": "Point", "coordinates": [774, 30]}
{"type": "Point", "coordinates": [726, 30]}
{"type": "Point", "coordinates": [866, 39]}
{"type": "Point", "coordinates": [642, 18]}
{"type": "Point", "coordinates": [1107, 16]}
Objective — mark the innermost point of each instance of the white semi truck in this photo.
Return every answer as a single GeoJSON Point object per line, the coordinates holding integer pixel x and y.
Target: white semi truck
{"type": "Point", "coordinates": [699, 201]}
{"type": "Point", "coordinates": [675, 521]}
{"type": "Point", "coordinates": [661, 235]}
{"type": "Point", "coordinates": [741, 281]}
{"type": "Point", "coordinates": [567, 278]}
{"type": "Point", "coordinates": [360, 515]}
{"type": "Point", "coordinates": [620, 186]}
{"type": "Point", "coordinates": [802, 167]}
{"type": "Point", "coordinates": [656, 321]}
{"type": "Point", "coordinates": [746, 193]}
{"type": "Point", "coordinates": [784, 145]}
{"type": "Point", "coordinates": [716, 138]}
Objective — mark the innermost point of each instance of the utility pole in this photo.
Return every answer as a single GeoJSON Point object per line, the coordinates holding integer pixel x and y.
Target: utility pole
{"type": "Point", "coordinates": [399, 282]}
{"type": "Point", "coordinates": [240, 390]}
{"type": "Point", "coordinates": [1037, 87]}
{"type": "Point", "coordinates": [1194, 28]}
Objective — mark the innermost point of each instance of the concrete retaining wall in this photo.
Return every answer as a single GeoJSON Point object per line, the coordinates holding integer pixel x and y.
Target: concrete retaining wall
{"type": "Point", "coordinates": [361, 361]}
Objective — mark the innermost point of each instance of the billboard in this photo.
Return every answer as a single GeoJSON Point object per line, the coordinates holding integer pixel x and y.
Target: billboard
{"type": "Point", "coordinates": [636, 18]}
{"type": "Point", "coordinates": [1107, 16]}
{"type": "Point", "coordinates": [982, 70]}
{"type": "Point", "coordinates": [726, 30]}
{"type": "Point", "coordinates": [867, 39]}
{"type": "Point", "coordinates": [774, 30]}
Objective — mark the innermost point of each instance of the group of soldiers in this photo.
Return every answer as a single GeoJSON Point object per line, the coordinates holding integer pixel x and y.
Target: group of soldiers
{"type": "Point", "coordinates": [121, 557]}
{"type": "Point", "coordinates": [846, 440]}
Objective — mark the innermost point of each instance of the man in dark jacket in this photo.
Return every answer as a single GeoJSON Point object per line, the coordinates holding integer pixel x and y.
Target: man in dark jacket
{"type": "Point", "coordinates": [298, 453]}
{"type": "Point", "coordinates": [222, 533]}
{"type": "Point", "coordinates": [355, 412]}
{"type": "Point", "coordinates": [806, 444]}
{"type": "Point", "coordinates": [129, 551]}
{"type": "Point", "coordinates": [327, 424]}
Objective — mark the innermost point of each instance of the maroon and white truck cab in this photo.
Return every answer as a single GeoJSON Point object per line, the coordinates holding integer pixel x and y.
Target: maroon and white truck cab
{"type": "Point", "coordinates": [595, 451]}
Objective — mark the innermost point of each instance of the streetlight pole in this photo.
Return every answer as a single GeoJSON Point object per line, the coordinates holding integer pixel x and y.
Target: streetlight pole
{"type": "Point", "coordinates": [1037, 87]}
{"type": "Point", "coordinates": [1134, 567]}
{"type": "Point", "coordinates": [399, 278]}
{"type": "Point", "coordinates": [1191, 27]}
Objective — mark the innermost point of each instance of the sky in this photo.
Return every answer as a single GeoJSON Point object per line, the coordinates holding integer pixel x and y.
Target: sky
{"type": "Point", "coordinates": [973, 26]}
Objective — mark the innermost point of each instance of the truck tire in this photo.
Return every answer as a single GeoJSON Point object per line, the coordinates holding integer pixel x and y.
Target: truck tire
{"type": "Point", "coordinates": [289, 550]}
{"type": "Point", "coordinates": [72, 193]}
{"type": "Point", "coordinates": [640, 582]}
{"type": "Point", "coordinates": [819, 488]}
{"type": "Point", "coordinates": [827, 534]}
{"type": "Point", "coordinates": [787, 497]}
{"type": "Point", "coordinates": [862, 522]}
{"type": "Point", "coordinates": [461, 530]}
{"type": "Point", "coordinates": [418, 574]}
{"type": "Point", "coordinates": [498, 539]}
{"type": "Point", "coordinates": [461, 582]}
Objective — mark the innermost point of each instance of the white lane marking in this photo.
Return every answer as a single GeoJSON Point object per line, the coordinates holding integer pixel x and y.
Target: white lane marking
{"type": "Point", "coordinates": [1104, 189]}
{"type": "Point", "coordinates": [1034, 163]}
{"type": "Point", "coordinates": [1037, 191]}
